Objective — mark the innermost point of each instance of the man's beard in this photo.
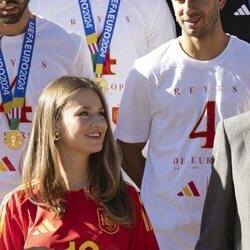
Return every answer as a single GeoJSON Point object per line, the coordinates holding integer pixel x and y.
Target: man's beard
{"type": "Point", "coordinates": [12, 19]}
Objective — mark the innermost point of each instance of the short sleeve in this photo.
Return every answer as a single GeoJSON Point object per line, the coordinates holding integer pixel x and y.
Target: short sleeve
{"type": "Point", "coordinates": [11, 233]}
{"type": "Point", "coordinates": [134, 116]}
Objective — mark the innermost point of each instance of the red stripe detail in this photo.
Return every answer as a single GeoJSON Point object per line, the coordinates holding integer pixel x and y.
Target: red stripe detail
{"type": "Point", "coordinates": [8, 164]}
{"type": "Point", "coordinates": [180, 194]}
{"type": "Point", "coordinates": [193, 188]}
{"type": "Point", "coordinates": [90, 48]}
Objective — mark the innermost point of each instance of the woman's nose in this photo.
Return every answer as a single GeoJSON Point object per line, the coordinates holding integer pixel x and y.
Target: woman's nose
{"type": "Point", "coordinates": [96, 120]}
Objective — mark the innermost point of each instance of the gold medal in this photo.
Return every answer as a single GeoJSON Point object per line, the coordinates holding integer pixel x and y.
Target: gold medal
{"type": "Point", "coordinates": [13, 139]}
{"type": "Point", "coordinates": [101, 83]}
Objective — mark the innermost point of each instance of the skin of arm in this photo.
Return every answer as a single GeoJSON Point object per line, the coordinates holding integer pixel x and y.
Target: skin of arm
{"type": "Point", "coordinates": [133, 162]}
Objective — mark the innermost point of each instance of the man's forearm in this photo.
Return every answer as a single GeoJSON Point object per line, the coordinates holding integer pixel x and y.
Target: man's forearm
{"type": "Point", "coordinates": [133, 160]}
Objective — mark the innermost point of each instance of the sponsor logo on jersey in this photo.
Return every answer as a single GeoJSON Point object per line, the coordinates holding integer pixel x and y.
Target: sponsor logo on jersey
{"type": "Point", "coordinates": [115, 114]}
{"type": "Point", "coordinates": [190, 190]}
{"type": "Point", "coordinates": [105, 223]}
{"type": "Point", "coordinates": [242, 11]}
{"type": "Point", "coordinates": [44, 227]}
{"type": "Point", "coordinates": [6, 165]}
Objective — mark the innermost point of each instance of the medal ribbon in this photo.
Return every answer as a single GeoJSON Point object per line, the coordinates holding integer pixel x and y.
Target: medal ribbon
{"type": "Point", "coordinates": [99, 53]}
{"type": "Point", "coordinates": [10, 102]}
{"type": "Point", "coordinates": [89, 28]}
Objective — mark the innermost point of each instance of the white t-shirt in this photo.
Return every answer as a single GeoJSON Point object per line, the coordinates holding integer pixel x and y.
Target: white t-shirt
{"type": "Point", "coordinates": [176, 102]}
{"type": "Point", "coordinates": [56, 53]}
{"type": "Point", "coordinates": [141, 26]}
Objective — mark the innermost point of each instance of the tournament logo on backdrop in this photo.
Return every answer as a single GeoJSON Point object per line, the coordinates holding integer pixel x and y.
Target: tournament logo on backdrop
{"type": "Point", "coordinates": [105, 223]}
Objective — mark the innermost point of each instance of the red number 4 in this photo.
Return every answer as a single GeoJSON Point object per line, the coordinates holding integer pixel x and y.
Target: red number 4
{"type": "Point", "coordinates": [209, 114]}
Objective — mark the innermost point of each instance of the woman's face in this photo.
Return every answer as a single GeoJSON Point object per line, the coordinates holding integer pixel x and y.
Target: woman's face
{"type": "Point", "coordinates": [83, 126]}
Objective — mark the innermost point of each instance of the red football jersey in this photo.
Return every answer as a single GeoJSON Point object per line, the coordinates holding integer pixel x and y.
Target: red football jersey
{"type": "Point", "coordinates": [84, 225]}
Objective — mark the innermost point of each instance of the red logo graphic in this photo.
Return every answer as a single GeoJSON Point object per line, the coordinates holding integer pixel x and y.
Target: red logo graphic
{"type": "Point", "coordinates": [115, 111]}
{"type": "Point", "coordinates": [6, 165]}
{"type": "Point", "coordinates": [189, 190]}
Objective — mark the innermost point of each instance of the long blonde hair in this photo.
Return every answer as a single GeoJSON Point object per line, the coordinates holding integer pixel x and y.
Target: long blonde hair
{"type": "Point", "coordinates": [41, 160]}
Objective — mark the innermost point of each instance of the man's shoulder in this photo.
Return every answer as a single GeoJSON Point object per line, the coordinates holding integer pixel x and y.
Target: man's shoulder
{"type": "Point", "coordinates": [241, 48]}
{"type": "Point", "coordinates": [47, 28]}
{"type": "Point", "coordinates": [239, 41]}
{"type": "Point", "coordinates": [238, 124]}
{"type": "Point", "coordinates": [157, 55]}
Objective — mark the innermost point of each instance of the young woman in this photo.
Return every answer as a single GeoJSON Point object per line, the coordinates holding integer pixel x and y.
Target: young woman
{"type": "Point", "coordinates": [73, 195]}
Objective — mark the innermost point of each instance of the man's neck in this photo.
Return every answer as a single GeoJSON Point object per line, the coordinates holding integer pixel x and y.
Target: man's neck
{"type": "Point", "coordinates": [16, 28]}
{"type": "Point", "coordinates": [205, 48]}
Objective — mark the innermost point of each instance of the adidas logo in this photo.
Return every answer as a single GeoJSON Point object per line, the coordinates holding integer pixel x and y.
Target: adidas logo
{"type": "Point", "coordinates": [6, 165]}
{"type": "Point", "coordinates": [242, 11]}
{"type": "Point", "coordinates": [44, 227]}
{"type": "Point", "coordinates": [189, 190]}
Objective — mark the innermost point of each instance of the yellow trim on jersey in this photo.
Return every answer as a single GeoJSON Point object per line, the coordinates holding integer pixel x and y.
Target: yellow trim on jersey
{"type": "Point", "coordinates": [139, 197]}
{"type": "Point", "coordinates": [44, 227]}
{"type": "Point", "coordinates": [5, 201]}
{"type": "Point", "coordinates": [4, 204]}
{"type": "Point", "coordinates": [146, 223]}
{"type": "Point", "coordinates": [48, 225]}
{"type": "Point", "coordinates": [145, 218]}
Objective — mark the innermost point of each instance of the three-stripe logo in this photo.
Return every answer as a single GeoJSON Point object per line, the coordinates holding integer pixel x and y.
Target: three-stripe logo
{"type": "Point", "coordinates": [242, 11]}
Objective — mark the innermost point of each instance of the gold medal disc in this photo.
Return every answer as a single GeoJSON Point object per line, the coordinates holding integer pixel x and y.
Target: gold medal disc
{"type": "Point", "coordinates": [101, 83]}
{"type": "Point", "coordinates": [13, 139]}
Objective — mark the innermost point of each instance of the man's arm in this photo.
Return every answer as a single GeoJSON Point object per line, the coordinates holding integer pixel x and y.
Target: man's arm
{"type": "Point", "coordinates": [217, 226]}
{"type": "Point", "coordinates": [133, 161]}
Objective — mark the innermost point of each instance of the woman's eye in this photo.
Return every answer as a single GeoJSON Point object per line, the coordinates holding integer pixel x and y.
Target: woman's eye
{"type": "Point", "coordinates": [102, 113]}
{"type": "Point", "coordinates": [84, 113]}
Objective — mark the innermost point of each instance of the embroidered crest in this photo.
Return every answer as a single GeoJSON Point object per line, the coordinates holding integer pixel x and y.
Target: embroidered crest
{"type": "Point", "coordinates": [105, 223]}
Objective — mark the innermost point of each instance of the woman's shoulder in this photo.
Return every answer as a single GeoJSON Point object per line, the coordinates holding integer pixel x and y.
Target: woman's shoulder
{"type": "Point", "coordinates": [133, 192]}
{"type": "Point", "coordinates": [14, 200]}
{"type": "Point", "coordinates": [17, 198]}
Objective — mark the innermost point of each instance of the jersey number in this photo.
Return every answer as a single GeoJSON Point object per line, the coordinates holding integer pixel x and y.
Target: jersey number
{"type": "Point", "coordinates": [90, 245]}
{"type": "Point", "coordinates": [209, 114]}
